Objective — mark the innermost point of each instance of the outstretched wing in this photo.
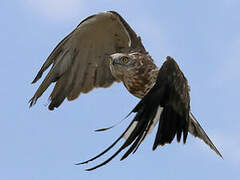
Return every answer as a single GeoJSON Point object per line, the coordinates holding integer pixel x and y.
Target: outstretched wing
{"type": "Point", "coordinates": [167, 103]}
{"type": "Point", "coordinates": [79, 61]}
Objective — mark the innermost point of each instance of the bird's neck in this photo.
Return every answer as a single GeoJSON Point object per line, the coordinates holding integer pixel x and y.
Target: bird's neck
{"type": "Point", "coordinates": [139, 83]}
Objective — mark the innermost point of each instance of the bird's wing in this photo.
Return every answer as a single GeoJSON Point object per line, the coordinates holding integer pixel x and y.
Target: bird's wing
{"type": "Point", "coordinates": [166, 103]}
{"type": "Point", "coordinates": [196, 130]}
{"type": "Point", "coordinates": [79, 62]}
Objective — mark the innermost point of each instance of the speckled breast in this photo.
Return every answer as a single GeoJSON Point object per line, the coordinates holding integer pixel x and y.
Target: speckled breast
{"type": "Point", "coordinates": [139, 83]}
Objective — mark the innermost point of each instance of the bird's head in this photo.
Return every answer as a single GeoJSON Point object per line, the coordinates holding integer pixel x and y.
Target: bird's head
{"type": "Point", "coordinates": [121, 64]}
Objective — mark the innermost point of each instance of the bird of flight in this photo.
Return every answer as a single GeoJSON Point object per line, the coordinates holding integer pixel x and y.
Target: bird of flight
{"type": "Point", "coordinates": [104, 49]}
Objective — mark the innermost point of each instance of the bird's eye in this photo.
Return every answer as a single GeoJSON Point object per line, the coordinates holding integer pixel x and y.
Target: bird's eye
{"type": "Point", "coordinates": [110, 60]}
{"type": "Point", "coordinates": [125, 60]}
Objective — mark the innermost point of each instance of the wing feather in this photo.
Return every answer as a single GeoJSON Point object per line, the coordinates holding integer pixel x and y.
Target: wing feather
{"type": "Point", "coordinates": [197, 131]}
{"type": "Point", "coordinates": [167, 103]}
{"type": "Point", "coordinates": [80, 59]}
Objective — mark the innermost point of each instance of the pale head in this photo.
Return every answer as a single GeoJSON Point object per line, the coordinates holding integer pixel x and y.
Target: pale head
{"type": "Point", "coordinates": [120, 64]}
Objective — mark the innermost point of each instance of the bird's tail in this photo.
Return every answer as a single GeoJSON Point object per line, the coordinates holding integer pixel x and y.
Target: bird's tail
{"type": "Point", "coordinates": [196, 130]}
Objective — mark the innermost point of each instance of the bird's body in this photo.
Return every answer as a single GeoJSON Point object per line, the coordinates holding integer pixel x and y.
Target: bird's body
{"type": "Point", "coordinates": [104, 49]}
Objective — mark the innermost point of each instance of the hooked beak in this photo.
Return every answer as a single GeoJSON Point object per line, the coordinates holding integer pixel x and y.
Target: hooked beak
{"type": "Point", "coordinates": [110, 59]}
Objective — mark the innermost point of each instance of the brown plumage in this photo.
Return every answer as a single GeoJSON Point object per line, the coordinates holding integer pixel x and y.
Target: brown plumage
{"type": "Point", "coordinates": [138, 75]}
{"type": "Point", "coordinates": [104, 49]}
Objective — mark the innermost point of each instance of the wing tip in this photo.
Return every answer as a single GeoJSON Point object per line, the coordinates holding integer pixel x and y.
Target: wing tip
{"type": "Point", "coordinates": [80, 163]}
{"type": "Point", "coordinates": [38, 76]}
{"type": "Point", "coordinates": [73, 97]}
{"type": "Point", "coordinates": [32, 101]}
{"type": "Point", "coordinates": [212, 146]}
{"type": "Point", "coordinates": [220, 155]}
{"type": "Point", "coordinates": [36, 79]}
{"type": "Point", "coordinates": [169, 58]}
{"type": "Point", "coordinates": [199, 132]}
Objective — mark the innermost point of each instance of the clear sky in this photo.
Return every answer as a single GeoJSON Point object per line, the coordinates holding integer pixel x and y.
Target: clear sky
{"type": "Point", "coordinates": [36, 144]}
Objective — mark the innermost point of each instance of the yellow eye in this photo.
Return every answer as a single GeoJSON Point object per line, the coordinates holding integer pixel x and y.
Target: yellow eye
{"type": "Point", "coordinates": [110, 60]}
{"type": "Point", "coordinates": [125, 60]}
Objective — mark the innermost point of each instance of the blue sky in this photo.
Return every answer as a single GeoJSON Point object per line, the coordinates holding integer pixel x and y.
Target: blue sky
{"type": "Point", "coordinates": [36, 144]}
